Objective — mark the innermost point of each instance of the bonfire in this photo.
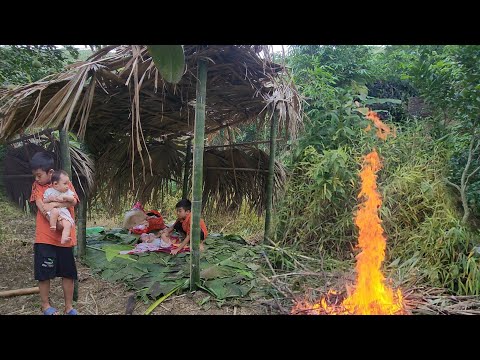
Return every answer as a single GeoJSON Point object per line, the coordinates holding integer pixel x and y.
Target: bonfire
{"type": "Point", "coordinates": [371, 295]}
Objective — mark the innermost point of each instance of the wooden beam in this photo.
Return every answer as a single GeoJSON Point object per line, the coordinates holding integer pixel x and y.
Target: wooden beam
{"type": "Point", "coordinates": [242, 144]}
{"type": "Point", "coordinates": [46, 131]}
{"type": "Point", "coordinates": [237, 169]}
{"type": "Point", "coordinates": [225, 125]}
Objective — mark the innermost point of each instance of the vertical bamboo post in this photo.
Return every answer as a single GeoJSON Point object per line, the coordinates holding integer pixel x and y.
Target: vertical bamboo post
{"type": "Point", "coordinates": [197, 180]}
{"type": "Point", "coordinates": [66, 161]}
{"type": "Point", "coordinates": [188, 155]}
{"type": "Point", "coordinates": [82, 227]}
{"type": "Point", "coordinates": [271, 176]}
{"type": "Point", "coordinates": [66, 164]}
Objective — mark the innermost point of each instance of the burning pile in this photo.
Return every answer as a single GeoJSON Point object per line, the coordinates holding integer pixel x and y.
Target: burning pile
{"type": "Point", "coordinates": [371, 295]}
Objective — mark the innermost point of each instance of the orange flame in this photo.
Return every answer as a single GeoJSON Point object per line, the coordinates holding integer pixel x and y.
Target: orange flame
{"type": "Point", "coordinates": [382, 130]}
{"type": "Point", "coordinates": [371, 296]}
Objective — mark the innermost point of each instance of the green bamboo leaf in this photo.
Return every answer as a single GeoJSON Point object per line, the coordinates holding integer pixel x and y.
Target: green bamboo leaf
{"type": "Point", "coordinates": [252, 266]}
{"type": "Point", "coordinates": [159, 301]}
{"type": "Point", "coordinates": [382, 101]}
{"type": "Point", "coordinates": [169, 60]}
{"type": "Point", "coordinates": [204, 300]}
{"type": "Point", "coordinates": [362, 110]}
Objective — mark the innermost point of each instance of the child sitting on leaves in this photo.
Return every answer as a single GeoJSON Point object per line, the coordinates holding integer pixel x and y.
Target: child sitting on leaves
{"type": "Point", "coordinates": [182, 226]}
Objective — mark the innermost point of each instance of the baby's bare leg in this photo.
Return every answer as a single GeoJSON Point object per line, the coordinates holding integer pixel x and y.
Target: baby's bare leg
{"type": "Point", "coordinates": [67, 226]}
{"type": "Point", "coordinates": [166, 238]}
{"type": "Point", "coordinates": [54, 213]}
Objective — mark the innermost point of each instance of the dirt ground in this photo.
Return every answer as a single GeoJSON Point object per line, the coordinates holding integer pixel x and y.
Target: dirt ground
{"type": "Point", "coordinates": [96, 296]}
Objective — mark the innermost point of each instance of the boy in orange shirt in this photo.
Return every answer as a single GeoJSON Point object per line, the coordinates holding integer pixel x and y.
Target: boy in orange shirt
{"type": "Point", "coordinates": [51, 257]}
{"type": "Point", "coordinates": [182, 225]}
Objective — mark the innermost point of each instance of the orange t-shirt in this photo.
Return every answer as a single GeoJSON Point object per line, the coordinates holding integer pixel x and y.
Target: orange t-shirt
{"type": "Point", "coordinates": [43, 234]}
{"type": "Point", "coordinates": [186, 225]}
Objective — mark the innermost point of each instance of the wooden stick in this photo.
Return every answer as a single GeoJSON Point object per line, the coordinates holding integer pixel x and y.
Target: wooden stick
{"type": "Point", "coordinates": [19, 292]}
{"type": "Point", "coordinates": [242, 144]}
{"type": "Point", "coordinates": [238, 169]}
{"type": "Point", "coordinates": [130, 305]}
{"type": "Point", "coordinates": [23, 138]}
{"type": "Point", "coordinates": [300, 274]}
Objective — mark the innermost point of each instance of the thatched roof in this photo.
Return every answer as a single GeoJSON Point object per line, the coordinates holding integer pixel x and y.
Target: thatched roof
{"type": "Point", "coordinates": [117, 102]}
{"type": "Point", "coordinates": [17, 176]}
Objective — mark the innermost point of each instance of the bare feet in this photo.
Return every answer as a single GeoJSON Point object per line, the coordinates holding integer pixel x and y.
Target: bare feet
{"type": "Point", "coordinates": [65, 240]}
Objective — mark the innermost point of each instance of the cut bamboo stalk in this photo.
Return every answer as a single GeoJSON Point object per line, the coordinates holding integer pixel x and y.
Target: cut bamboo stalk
{"type": "Point", "coordinates": [20, 292]}
{"type": "Point", "coordinates": [271, 175]}
{"type": "Point", "coordinates": [66, 164]}
{"type": "Point", "coordinates": [197, 180]}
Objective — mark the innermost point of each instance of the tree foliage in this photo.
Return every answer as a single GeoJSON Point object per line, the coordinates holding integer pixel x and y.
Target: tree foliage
{"type": "Point", "coordinates": [21, 64]}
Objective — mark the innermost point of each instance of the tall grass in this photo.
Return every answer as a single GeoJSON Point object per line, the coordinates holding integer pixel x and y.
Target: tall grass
{"type": "Point", "coordinates": [422, 218]}
{"type": "Point", "coordinates": [425, 239]}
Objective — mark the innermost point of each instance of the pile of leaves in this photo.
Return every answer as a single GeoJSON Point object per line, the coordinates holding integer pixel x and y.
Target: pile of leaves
{"type": "Point", "coordinates": [229, 266]}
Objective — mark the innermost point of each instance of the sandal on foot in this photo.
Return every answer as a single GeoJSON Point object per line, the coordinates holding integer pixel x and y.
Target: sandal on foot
{"type": "Point", "coordinates": [50, 311]}
{"type": "Point", "coordinates": [72, 312]}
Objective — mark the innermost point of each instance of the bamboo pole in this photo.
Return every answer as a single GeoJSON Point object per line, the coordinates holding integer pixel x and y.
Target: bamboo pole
{"type": "Point", "coordinates": [66, 161]}
{"type": "Point", "coordinates": [197, 181]}
{"type": "Point", "coordinates": [271, 173]}
{"type": "Point", "coordinates": [188, 154]}
{"type": "Point", "coordinates": [82, 227]}
{"type": "Point", "coordinates": [66, 164]}
{"type": "Point", "coordinates": [19, 292]}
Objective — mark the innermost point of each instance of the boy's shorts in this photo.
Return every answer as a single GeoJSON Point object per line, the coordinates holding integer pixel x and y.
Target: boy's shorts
{"type": "Point", "coordinates": [52, 261]}
{"type": "Point", "coordinates": [178, 228]}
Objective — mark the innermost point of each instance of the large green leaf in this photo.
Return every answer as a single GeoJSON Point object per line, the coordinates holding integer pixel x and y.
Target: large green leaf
{"type": "Point", "coordinates": [228, 287]}
{"type": "Point", "coordinates": [94, 230]}
{"type": "Point", "coordinates": [252, 266]}
{"type": "Point", "coordinates": [235, 238]}
{"type": "Point", "coordinates": [169, 60]}
{"type": "Point", "coordinates": [233, 264]}
{"type": "Point", "coordinates": [112, 251]}
{"type": "Point", "coordinates": [213, 272]}
{"type": "Point", "coordinates": [127, 238]}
